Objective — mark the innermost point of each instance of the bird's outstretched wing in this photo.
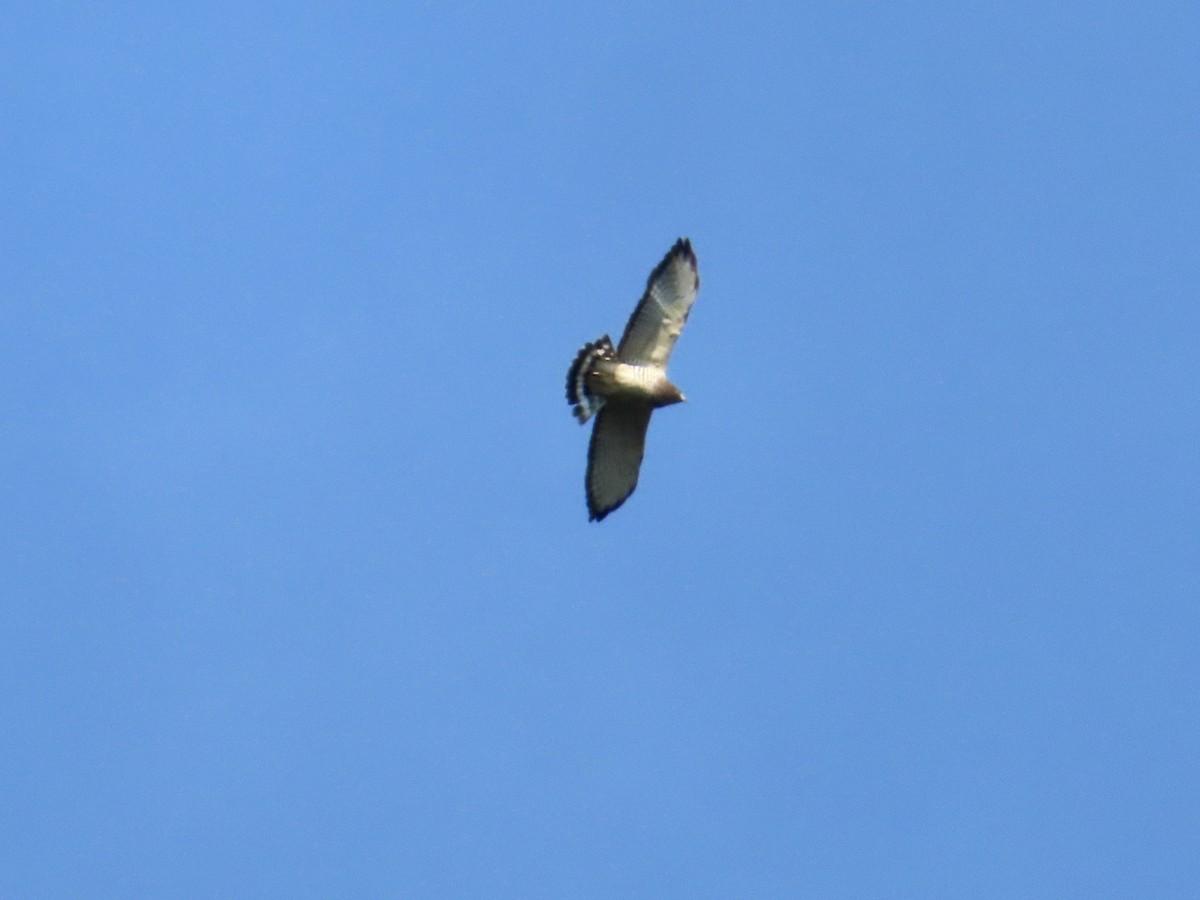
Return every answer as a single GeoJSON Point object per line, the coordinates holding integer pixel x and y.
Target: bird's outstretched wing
{"type": "Point", "coordinates": [660, 314]}
{"type": "Point", "coordinates": [615, 455]}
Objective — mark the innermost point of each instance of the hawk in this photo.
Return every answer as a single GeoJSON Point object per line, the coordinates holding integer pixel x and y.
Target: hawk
{"type": "Point", "coordinates": [622, 387]}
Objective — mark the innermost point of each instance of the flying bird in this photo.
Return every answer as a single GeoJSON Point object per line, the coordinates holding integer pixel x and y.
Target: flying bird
{"type": "Point", "coordinates": [622, 387]}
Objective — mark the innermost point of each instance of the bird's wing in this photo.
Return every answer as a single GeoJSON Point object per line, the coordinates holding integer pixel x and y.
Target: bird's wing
{"type": "Point", "coordinates": [615, 455]}
{"type": "Point", "coordinates": [658, 319]}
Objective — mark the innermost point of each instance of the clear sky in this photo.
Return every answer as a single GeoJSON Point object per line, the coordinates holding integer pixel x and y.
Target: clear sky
{"type": "Point", "coordinates": [299, 596]}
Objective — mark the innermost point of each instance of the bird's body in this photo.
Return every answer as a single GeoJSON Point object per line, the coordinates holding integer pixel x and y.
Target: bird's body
{"type": "Point", "coordinates": [631, 382]}
{"type": "Point", "coordinates": [622, 386]}
{"type": "Point", "coordinates": [609, 379]}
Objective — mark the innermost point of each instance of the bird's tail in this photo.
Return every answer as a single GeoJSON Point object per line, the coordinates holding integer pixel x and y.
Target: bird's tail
{"type": "Point", "coordinates": [585, 403]}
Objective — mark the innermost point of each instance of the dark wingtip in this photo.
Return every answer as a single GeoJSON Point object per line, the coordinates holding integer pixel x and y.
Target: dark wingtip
{"type": "Point", "coordinates": [597, 515]}
{"type": "Point", "coordinates": [681, 249]}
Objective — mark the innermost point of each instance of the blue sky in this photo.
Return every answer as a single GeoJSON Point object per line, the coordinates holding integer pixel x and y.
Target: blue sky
{"type": "Point", "coordinates": [300, 596]}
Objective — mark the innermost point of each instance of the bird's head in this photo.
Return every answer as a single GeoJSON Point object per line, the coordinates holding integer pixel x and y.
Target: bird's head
{"type": "Point", "coordinates": [668, 394]}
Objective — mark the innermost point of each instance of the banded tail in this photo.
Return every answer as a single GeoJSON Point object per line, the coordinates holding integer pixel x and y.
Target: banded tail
{"type": "Point", "coordinates": [585, 403]}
